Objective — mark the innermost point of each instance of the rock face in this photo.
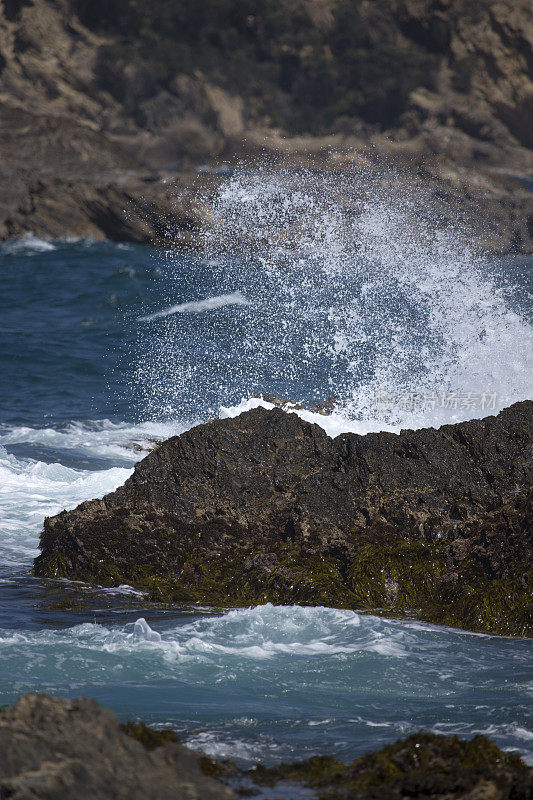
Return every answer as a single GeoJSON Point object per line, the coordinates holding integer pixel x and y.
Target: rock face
{"type": "Point", "coordinates": [267, 507]}
{"type": "Point", "coordinates": [124, 100]}
{"type": "Point", "coordinates": [54, 749]}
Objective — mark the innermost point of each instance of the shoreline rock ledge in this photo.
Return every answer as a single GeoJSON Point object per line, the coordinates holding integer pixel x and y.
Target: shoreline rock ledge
{"type": "Point", "coordinates": [265, 507]}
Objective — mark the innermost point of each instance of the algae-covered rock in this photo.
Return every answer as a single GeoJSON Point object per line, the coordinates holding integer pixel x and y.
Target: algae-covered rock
{"type": "Point", "coordinates": [267, 507]}
{"type": "Point", "coordinates": [422, 766]}
{"type": "Point", "coordinates": [55, 749]}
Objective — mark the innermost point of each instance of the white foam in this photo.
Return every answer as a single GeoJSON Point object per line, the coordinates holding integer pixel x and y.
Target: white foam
{"type": "Point", "coordinates": [31, 490]}
{"type": "Point", "coordinates": [28, 245]}
{"type": "Point", "coordinates": [141, 630]}
{"type": "Point", "coordinates": [197, 306]}
{"type": "Point", "coordinates": [523, 733]}
{"type": "Point", "coordinates": [98, 438]}
{"type": "Point", "coordinates": [334, 424]}
{"type": "Point", "coordinates": [255, 635]}
{"type": "Point", "coordinates": [217, 745]}
{"type": "Point", "coordinates": [231, 641]}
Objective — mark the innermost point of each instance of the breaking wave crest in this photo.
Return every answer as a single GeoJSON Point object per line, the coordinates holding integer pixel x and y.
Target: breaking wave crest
{"type": "Point", "coordinates": [358, 286]}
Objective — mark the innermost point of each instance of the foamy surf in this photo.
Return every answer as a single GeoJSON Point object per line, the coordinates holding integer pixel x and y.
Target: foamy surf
{"type": "Point", "coordinates": [278, 682]}
{"type": "Point", "coordinates": [197, 306]}
{"type": "Point", "coordinates": [97, 438]}
{"type": "Point", "coordinates": [31, 490]}
{"type": "Point", "coordinates": [27, 245]}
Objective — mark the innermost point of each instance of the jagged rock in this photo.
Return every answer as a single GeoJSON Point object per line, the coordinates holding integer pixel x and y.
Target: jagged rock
{"type": "Point", "coordinates": [267, 507]}
{"type": "Point", "coordinates": [90, 97]}
{"type": "Point", "coordinates": [55, 749]}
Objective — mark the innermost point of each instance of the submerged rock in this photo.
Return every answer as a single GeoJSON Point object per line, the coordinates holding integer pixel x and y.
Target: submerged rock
{"type": "Point", "coordinates": [266, 507]}
{"type": "Point", "coordinates": [55, 749]}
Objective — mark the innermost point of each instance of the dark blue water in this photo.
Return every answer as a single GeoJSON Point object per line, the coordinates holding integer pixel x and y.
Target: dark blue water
{"type": "Point", "coordinates": [65, 332]}
{"type": "Point", "coordinates": [101, 352]}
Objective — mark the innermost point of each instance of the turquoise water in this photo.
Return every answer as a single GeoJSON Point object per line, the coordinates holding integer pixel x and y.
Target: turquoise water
{"type": "Point", "coordinates": [105, 347]}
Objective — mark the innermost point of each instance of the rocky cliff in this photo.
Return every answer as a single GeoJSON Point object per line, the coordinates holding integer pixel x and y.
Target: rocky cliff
{"type": "Point", "coordinates": [267, 507]}
{"type": "Point", "coordinates": [108, 108]}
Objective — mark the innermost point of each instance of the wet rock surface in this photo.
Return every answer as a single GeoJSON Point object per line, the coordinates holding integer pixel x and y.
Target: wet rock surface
{"type": "Point", "coordinates": [55, 749]}
{"type": "Point", "coordinates": [266, 507]}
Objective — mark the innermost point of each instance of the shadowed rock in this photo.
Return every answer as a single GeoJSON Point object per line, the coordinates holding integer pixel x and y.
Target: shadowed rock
{"type": "Point", "coordinates": [55, 749]}
{"type": "Point", "coordinates": [109, 107]}
{"type": "Point", "coordinates": [267, 507]}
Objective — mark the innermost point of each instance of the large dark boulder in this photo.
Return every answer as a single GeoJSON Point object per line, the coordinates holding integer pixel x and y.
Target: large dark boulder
{"type": "Point", "coordinates": [55, 749]}
{"type": "Point", "coordinates": [267, 507]}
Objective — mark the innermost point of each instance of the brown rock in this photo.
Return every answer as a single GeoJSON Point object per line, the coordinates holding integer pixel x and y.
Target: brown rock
{"type": "Point", "coordinates": [77, 111]}
{"type": "Point", "coordinates": [55, 749]}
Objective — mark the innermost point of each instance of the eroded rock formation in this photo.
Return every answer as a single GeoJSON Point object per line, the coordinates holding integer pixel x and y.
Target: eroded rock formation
{"type": "Point", "coordinates": [267, 507]}
{"type": "Point", "coordinates": [127, 99]}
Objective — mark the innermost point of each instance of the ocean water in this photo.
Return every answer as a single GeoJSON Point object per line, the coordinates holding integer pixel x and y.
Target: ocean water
{"type": "Point", "coordinates": [105, 348]}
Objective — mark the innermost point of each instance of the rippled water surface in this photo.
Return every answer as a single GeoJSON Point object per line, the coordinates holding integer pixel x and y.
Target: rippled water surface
{"type": "Point", "coordinates": [105, 348]}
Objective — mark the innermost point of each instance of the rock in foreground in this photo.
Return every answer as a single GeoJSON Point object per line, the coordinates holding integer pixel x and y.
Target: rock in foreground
{"type": "Point", "coordinates": [54, 749]}
{"type": "Point", "coordinates": [422, 766]}
{"type": "Point", "coordinates": [267, 507]}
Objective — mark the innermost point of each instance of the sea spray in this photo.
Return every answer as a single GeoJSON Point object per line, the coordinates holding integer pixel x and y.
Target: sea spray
{"type": "Point", "coordinates": [358, 285]}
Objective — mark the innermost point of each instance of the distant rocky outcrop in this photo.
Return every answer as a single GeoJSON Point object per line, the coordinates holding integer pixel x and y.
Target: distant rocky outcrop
{"type": "Point", "coordinates": [55, 749]}
{"type": "Point", "coordinates": [267, 507]}
{"type": "Point", "coordinates": [127, 99]}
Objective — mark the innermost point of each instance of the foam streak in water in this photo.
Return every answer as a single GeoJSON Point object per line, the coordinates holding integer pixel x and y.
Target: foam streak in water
{"type": "Point", "coordinates": [209, 304]}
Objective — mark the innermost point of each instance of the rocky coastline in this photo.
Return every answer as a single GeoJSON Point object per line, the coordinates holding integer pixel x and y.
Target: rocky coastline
{"type": "Point", "coordinates": [107, 131]}
{"type": "Point", "coordinates": [265, 507]}
{"type": "Point", "coordinates": [57, 749]}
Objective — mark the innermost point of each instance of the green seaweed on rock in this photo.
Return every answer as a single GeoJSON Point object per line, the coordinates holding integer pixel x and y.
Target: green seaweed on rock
{"type": "Point", "coordinates": [149, 737]}
{"type": "Point", "coordinates": [423, 765]}
{"type": "Point", "coordinates": [398, 578]}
